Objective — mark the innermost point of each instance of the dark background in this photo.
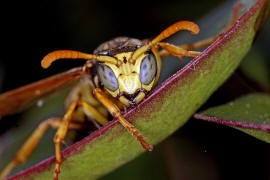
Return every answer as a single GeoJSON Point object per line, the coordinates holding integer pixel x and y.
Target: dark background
{"type": "Point", "coordinates": [199, 150]}
{"type": "Point", "coordinates": [31, 29]}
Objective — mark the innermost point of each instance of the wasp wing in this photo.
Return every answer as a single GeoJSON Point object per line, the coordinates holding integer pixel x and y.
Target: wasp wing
{"type": "Point", "coordinates": [18, 99]}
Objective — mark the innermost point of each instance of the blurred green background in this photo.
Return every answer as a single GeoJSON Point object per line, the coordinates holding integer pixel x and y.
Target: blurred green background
{"type": "Point", "coordinates": [199, 150]}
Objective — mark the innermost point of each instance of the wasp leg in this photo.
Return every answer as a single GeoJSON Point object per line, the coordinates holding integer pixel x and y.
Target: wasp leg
{"type": "Point", "coordinates": [200, 44]}
{"type": "Point", "coordinates": [93, 113]}
{"type": "Point", "coordinates": [116, 113]}
{"type": "Point", "coordinates": [30, 145]}
{"type": "Point", "coordinates": [60, 135]}
{"type": "Point", "coordinates": [66, 124]}
{"type": "Point", "coordinates": [208, 41]}
{"type": "Point", "coordinates": [176, 51]}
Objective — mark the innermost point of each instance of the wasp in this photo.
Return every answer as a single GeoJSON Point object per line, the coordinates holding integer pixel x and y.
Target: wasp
{"type": "Point", "coordinates": [118, 75]}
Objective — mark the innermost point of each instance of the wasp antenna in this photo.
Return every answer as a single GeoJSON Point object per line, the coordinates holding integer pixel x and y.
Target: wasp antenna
{"type": "Point", "coordinates": [178, 26]}
{"type": "Point", "coordinates": [63, 54]}
{"type": "Point", "coordinates": [70, 54]}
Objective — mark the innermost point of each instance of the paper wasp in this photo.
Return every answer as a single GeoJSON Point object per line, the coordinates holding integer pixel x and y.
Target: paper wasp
{"type": "Point", "coordinates": [118, 75]}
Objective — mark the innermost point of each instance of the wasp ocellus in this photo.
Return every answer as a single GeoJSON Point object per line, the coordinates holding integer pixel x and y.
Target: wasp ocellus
{"type": "Point", "coordinates": [118, 75]}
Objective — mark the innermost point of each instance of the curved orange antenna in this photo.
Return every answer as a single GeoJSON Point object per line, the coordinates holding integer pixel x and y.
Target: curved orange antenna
{"type": "Point", "coordinates": [69, 54]}
{"type": "Point", "coordinates": [178, 26]}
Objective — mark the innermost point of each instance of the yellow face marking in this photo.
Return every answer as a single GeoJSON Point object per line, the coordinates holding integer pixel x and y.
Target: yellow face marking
{"type": "Point", "coordinates": [129, 83]}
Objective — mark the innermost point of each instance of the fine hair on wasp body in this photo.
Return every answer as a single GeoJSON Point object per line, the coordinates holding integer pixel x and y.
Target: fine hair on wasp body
{"type": "Point", "coordinates": [118, 75]}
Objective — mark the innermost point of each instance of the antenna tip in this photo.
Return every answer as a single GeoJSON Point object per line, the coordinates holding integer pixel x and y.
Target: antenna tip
{"type": "Point", "coordinates": [45, 63]}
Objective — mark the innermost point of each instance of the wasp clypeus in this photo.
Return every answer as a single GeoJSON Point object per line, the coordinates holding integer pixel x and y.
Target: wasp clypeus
{"type": "Point", "coordinates": [118, 75]}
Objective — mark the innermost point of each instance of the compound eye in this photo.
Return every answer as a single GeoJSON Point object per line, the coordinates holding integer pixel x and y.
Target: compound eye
{"type": "Point", "coordinates": [148, 69]}
{"type": "Point", "coordinates": [107, 77]}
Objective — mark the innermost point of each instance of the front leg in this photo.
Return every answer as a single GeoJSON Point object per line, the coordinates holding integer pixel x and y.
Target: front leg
{"type": "Point", "coordinates": [116, 113]}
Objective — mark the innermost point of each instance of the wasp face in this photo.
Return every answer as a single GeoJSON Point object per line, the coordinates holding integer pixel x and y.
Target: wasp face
{"type": "Point", "coordinates": [129, 79]}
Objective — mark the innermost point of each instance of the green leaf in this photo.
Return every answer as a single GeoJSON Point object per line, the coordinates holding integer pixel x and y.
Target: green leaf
{"type": "Point", "coordinates": [255, 67]}
{"type": "Point", "coordinates": [250, 114]}
{"type": "Point", "coordinates": [163, 111]}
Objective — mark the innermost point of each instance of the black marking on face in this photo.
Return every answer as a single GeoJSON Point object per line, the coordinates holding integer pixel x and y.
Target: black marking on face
{"type": "Point", "coordinates": [125, 60]}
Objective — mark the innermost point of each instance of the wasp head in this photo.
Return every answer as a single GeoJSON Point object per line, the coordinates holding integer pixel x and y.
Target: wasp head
{"type": "Point", "coordinates": [129, 79]}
